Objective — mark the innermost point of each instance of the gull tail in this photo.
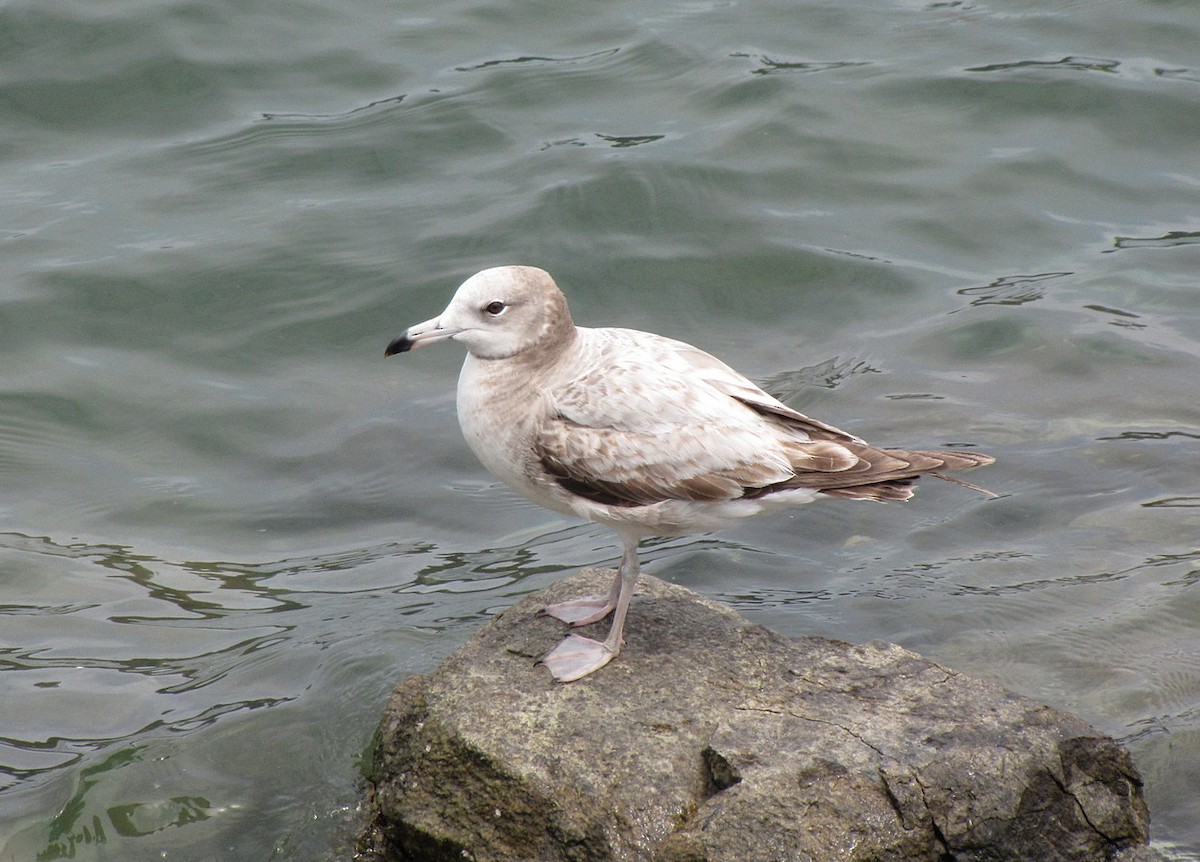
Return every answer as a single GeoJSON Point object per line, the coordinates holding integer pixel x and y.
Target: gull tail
{"type": "Point", "coordinates": [940, 475]}
{"type": "Point", "coordinates": [961, 461]}
{"type": "Point", "coordinates": [921, 463]}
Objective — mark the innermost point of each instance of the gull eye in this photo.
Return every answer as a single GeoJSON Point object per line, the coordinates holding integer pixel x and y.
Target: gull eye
{"type": "Point", "coordinates": [495, 308]}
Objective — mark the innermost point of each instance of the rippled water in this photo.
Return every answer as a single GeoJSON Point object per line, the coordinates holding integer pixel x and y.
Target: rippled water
{"type": "Point", "coordinates": [228, 526]}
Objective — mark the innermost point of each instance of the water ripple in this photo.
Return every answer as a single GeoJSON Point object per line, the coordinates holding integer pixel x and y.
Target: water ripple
{"type": "Point", "coordinates": [787, 385]}
{"type": "Point", "coordinates": [1171, 239]}
{"type": "Point", "coordinates": [769, 66]}
{"type": "Point", "coordinates": [226, 522]}
{"type": "Point", "coordinates": [536, 60]}
{"type": "Point", "coordinates": [1011, 289]}
{"type": "Point", "coordinates": [1073, 64]}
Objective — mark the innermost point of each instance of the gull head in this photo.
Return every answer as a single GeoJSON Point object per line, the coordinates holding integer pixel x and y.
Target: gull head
{"type": "Point", "coordinates": [498, 313]}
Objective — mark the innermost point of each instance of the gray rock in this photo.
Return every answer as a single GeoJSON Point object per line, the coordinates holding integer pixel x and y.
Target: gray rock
{"type": "Point", "coordinates": [710, 739]}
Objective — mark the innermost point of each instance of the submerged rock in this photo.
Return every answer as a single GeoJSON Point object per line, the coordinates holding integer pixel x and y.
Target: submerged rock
{"type": "Point", "coordinates": [710, 739]}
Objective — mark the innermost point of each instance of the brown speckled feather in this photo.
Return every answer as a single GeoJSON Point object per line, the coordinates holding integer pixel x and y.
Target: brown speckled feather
{"type": "Point", "coordinates": [650, 436]}
{"type": "Point", "coordinates": [702, 432]}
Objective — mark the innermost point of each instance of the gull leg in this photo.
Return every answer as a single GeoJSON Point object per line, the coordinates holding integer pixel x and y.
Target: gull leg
{"type": "Point", "coordinates": [589, 609]}
{"type": "Point", "coordinates": [578, 656]}
{"type": "Point", "coordinates": [630, 569]}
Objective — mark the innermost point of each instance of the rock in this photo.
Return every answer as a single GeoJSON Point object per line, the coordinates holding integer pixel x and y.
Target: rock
{"type": "Point", "coordinates": [710, 739]}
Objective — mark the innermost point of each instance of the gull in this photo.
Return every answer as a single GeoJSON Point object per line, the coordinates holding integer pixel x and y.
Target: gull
{"type": "Point", "coordinates": [644, 434]}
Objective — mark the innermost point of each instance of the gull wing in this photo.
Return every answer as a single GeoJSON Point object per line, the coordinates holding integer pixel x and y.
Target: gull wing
{"type": "Point", "coordinates": [650, 419]}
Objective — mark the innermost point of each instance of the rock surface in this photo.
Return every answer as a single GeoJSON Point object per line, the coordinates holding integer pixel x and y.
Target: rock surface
{"type": "Point", "coordinates": [710, 739]}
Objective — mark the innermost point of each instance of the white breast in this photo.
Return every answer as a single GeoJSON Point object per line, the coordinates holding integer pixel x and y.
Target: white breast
{"type": "Point", "coordinates": [500, 407]}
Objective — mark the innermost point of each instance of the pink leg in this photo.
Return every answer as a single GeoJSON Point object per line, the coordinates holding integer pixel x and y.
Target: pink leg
{"type": "Point", "coordinates": [578, 656]}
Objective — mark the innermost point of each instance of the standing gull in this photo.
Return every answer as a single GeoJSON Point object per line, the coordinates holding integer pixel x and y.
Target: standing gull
{"type": "Point", "coordinates": [647, 435]}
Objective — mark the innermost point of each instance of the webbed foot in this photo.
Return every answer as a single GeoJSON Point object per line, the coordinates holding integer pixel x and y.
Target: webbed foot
{"type": "Point", "coordinates": [580, 612]}
{"type": "Point", "coordinates": [576, 657]}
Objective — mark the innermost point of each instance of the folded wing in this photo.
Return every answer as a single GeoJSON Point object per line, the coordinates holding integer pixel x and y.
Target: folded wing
{"type": "Point", "coordinates": [698, 430]}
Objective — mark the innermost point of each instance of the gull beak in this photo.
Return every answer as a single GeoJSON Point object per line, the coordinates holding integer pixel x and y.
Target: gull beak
{"type": "Point", "coordinates": [429, 332]}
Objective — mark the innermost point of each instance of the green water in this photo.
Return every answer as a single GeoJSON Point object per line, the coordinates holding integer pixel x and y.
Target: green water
{"type": "Point", "coordinates": [228, 526]}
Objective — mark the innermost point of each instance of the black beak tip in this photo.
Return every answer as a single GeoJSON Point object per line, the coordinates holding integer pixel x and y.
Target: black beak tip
{"type": "Point", "coordinates": [403, 344]}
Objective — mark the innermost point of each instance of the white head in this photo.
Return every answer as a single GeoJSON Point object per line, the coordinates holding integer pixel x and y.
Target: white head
{"type": "Point", "coordinates": [498, 313]}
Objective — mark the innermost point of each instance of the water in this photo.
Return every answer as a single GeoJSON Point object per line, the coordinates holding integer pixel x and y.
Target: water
{"type": "Point", "coordinates": [228, 526]}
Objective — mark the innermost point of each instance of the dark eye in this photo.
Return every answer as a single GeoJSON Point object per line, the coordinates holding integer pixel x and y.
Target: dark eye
{"type": "Point", "coordinates": [494, 307]}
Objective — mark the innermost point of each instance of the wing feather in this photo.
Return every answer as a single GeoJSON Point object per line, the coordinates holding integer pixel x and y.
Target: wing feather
{"type": "Point", "coordinates": [698, 430]}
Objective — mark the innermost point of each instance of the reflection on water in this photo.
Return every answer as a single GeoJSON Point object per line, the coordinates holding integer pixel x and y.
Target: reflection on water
{"type": "Point", "coordinates": [211, 640]}
{"type": "Point", "coordinates": [72, 830]}
{"type": "Point", "coordinates": [1011, 289]}
{"type": "Point", "coordinates": [789, 385]}
{"type": "Point", "coordinates": [1170, 239]}
{"type": "Point", "coordinates": [1075, 64]}
{"type": "Point", "coordinates": [767, 66]}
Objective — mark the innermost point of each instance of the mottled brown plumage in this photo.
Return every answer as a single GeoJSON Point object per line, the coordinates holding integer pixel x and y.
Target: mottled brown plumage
{"type": "Point", "coordinates": [645, 434]}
